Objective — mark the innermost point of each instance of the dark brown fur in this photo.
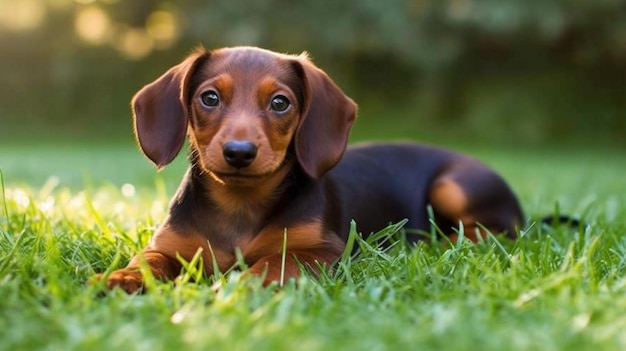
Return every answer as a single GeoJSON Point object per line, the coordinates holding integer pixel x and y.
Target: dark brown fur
{"type": "Point", "coordinates": [299, 180]}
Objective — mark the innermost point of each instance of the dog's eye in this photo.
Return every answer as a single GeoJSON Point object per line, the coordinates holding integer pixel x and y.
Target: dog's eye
{"type": "Point", "coordinates": [210, 98]}
{"type": "Point", "coordinates": [280, 103]}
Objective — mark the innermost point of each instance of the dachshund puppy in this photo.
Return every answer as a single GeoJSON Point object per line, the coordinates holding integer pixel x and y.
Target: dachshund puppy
{"type": "Point", "coordinates": [268, 135]}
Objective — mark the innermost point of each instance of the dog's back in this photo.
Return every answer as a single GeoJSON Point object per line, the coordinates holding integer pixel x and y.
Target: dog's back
{"type": "Point", "coordinates": [378, 184]}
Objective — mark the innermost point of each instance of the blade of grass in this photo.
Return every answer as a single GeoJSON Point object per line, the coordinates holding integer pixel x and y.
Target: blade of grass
{"type": "Point", "coordinates": [16, 245]}
{"type": "Point", "coordinates": [194, 269]}
{"type": "Point", "coordinates": [283, 259]}
{"type": "Point", "coordinates": [4, 202]}
{"type": "Point", "coordinates": [216, 267]}
{"type": "Point", "coordinates": [97, 217]}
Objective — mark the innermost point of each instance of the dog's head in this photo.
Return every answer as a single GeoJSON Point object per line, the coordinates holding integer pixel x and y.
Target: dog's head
{"type": "Point", "coordinates": [243, 109]}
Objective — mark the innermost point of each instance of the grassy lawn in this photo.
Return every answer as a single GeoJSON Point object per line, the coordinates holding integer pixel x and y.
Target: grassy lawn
{"type": "Point", "coordinates": [70, 211]}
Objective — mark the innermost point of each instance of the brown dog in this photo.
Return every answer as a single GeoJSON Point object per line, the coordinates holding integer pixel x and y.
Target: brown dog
{"type": "Point", "coordinates": [267, 134]}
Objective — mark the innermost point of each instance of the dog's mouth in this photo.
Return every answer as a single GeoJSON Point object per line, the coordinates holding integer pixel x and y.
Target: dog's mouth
{"type": "Point", "coordinates": [244, 177]}
{"type": "Point", "coordinates": [238, 178]}
{"type": "Point", "coordinates": [233, 175]}
{"type": "Point", "coordinates": [239, 175]}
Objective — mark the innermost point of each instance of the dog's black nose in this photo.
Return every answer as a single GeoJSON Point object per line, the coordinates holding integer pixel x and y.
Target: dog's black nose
{"type": "Point", "coordinates": [239, 154]}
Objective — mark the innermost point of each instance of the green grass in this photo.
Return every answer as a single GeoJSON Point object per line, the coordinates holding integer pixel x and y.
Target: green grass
{"type": "Point", "coordinates": [552, 289]}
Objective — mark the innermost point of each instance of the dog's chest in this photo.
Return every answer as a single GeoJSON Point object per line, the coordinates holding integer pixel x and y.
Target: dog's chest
{"type": "Point", "coordinates": [227, 231]}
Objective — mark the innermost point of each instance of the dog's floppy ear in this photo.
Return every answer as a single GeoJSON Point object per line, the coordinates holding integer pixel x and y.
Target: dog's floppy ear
{"type": "Point", "coordinates": [160, 111]}
{"type": "Point", "coordinates": [327, 116]}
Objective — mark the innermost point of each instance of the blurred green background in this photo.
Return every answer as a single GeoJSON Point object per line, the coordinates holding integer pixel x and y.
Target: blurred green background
{"type": "Point", "coordinates": [496, 72]}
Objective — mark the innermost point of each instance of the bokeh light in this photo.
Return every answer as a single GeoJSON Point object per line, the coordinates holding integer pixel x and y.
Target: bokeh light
{"type": "Point", "coordinates": [163, 27]}
{"type": "Point", "coordinates": [134, 43]}
{"type": "Point", "coordinates": [552, 71]}
{"type": "Point", "coordinates": [128, 190]}
{"type": "Point", "coordinates": [92, 24]}
{"type": "Point", "coordinates": [21, 15]}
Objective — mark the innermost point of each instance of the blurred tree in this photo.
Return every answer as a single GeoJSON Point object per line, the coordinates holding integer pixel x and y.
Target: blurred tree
{"type": "Point", "coordinates": [549, 68]}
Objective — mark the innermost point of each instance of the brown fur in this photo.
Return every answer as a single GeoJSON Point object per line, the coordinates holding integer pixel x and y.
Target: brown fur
{"type": "Point", "coordinates": [284, 174]}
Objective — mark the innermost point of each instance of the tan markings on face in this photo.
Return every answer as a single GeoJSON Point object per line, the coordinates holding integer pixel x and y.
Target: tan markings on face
{"type": "Point", "coordinates": [281, 126]}
{"type": "Point", "coordinates": [206, 123]}
{"type": "Point", "coordinates": [244, 114]}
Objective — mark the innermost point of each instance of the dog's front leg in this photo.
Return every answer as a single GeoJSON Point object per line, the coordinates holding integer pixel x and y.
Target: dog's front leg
{"type": "Point", "coordinates": [130, 278]}
{"type": "Point", "coordinates": [161, 256]}
{"type": "Point", "coordinates": [273, 269]}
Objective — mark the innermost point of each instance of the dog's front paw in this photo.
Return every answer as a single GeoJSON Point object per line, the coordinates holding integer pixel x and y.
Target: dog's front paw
{"type": "Point", "coordinates": [127, 279]}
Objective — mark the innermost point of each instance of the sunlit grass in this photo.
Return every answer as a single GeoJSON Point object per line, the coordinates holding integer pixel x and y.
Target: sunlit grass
{"type": "Point", "coordinates": [552, 289]}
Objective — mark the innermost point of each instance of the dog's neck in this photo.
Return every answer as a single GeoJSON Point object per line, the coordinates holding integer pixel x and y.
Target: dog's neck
{"type": "Point", "coordinates": [225, 214]}
{"type": "Point", "coordinates": [248, 200]}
